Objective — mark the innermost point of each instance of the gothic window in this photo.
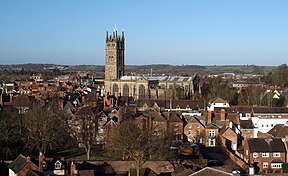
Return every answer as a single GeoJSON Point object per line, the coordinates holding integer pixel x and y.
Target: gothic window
{"type": "Point", "coordinates": [125, 90]}
{"type": "Point", "coordinates": [115, 88]}
{"type": "Point", "coordinates": [141, 91]}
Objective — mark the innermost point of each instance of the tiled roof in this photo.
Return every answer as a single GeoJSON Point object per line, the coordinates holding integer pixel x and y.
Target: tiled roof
{"type": "Point", "coordinates": [274, 110]}
{"type": "Point", "coordinates": [18, 163]}
{"type": "Point", "coordinates": [157, 116]}
{"type": "Point", "coordinates": [266, 145]}
{"type": "Point", "coordinates": [174, 117]}
{"type": "Point", "coordinates": [183, 104]}
{"type": "Point", "coordinates": [279, 130]}
{"type": "Point", "coordinates": [246, 124]}
{"type": "Point", "coordinates": [218, 100]}
{"type": "Point", "coordinates": [277, 160]}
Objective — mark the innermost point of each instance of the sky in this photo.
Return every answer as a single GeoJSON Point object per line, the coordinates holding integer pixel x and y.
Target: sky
{"type": "Point", "coordinates": [185, 32]}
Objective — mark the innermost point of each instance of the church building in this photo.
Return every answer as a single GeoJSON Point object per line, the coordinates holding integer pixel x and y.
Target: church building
{"type": "Point", "coordinates": [141, 87]}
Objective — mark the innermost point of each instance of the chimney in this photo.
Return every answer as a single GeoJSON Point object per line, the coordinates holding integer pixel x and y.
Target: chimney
{"type": "Point", "coordinates": [227, 123]}
{"type": "Point", "coordinates": [41, 160]}
{"type": "Point", "coordinates": [73, 170]}
{"type": "Point", "coordinates": [222, 115]}
{"type": "Point", "coordinates": [209, 119]}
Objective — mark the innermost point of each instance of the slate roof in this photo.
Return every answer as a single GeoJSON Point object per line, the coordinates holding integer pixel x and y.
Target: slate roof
{"type": "Point", "coordinates": [277, 160]}
{"type": "Point", "coordinates": [279, 131]}
{"type": "Point", "coordinates": [266, 145]}
{"type": "Point", "coordinates": [246, 124]}
{"type": "Point", "coordinates": [174, 117]}
{"type": "Point", "coordinates": [193, 104]}
{"type": "Point", "coordinates": [18, 163]}
{"type": "Point", "coordinates": [211, 126]}
{"type": "Point", "coordinates": [218, 100]}
{"type": "Point", "coordinates": [156, 116]}
{"type": "Point", "coordinates": [274, 110]}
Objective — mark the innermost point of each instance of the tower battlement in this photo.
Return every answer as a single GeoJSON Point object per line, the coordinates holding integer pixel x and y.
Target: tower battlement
{"type": "Point", "coordinates": [114, 66]}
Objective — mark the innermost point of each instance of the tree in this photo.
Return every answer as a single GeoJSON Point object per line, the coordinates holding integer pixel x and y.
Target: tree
{"type": "Point", "coordinates": [10, 140]}
{"type": "Point", "coordinates": [84, 129]}
{"type": "Point", "coordinates": [129, 142]}
{"type": "Point", "coordinates": [280, 76]}
{"type": "Point", "coordinates": [44, 129]}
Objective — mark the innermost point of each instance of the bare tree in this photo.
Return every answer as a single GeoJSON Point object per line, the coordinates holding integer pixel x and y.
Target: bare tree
{"type": "Point", "coordinates": [130, 142]}
{"type": "Point", "coordinates": [44, 129]}
{"type": "Point", "coordinates": [83, 128]}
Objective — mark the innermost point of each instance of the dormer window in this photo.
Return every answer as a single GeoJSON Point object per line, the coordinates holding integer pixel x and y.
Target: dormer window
{"type": "Point", "coordinates": [44, 165]}
{"type": "Point", "coordinates": [178, 107]}
{"type": "Point", "coordinates": [58, 164]}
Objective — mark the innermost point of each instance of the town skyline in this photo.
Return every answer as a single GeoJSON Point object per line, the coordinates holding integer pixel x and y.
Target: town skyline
{"type": "Point", "coordinates": [189, 33]}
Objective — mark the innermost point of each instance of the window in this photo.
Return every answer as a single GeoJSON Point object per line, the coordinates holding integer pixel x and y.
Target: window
{"type": "Point", "coordinates": [250, 136]}
{"type": "Point", "coordinates": [176, 123]}
{"type": "Point", "coordinates": [276, 154]}
{"type": "Point", "coordinates": [276, 165]}
{"type": "Point", "coordinates": [58, 164]}
{"type": "Point", "coordinates": [211, 133]}
{"type": "Point", "coordinates": [189, 126]}
{"type": "Point", "coordinates": [211, 142]}
{"type": "Point", "coordinates": [265, 165]}
{"type": "Point", "coordinates": [255, 155]}
{"type": "Point", "coordinates": [44, 165]}
{"type": "Point", "coordinates": [198, 126]}
{"type": "Point", "coordinates": [271, 125]}
{"type": "Point", "coordinates": [265, 154]}
{"type": "Point", "coordinates": [197, 132]}
{"type": "Point", "coordinates": [125, 90]}
{"type": "Point", "coordinates": [189, 132]}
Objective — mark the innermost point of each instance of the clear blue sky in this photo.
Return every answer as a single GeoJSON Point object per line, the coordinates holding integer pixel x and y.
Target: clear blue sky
{"type": "Point", "coordinates": [196, 32]}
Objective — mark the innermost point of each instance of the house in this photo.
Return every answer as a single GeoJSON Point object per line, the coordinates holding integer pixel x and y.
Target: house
{"type": "Point", "coordinates": [194, 130]}
{"type": "Point", "coordinates": [264, 119]}
{"type": "Point", "coordinates": [176, 124]}
{"type": "Point", "coordinates": [211, 135]}
{"type": "Point", "coordinates": [23, 166]}
{"type": "Point", "coordinates": [279, 131]}
{"type": "Point", "coordinates": [52, 166]}
{"type": "Point", "coordinates": [265, 154]}
{"type": "Point", "coordinates": [159, 122]}
{"type": "Point", "coordinates": [230, 136]}
{"type": "Point", "coordinates": [217, 102]}
{"type": "Point", "coordinates": [247, 130]}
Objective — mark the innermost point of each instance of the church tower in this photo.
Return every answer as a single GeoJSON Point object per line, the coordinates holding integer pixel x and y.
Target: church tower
{"type": "Point", "coordinates": [114, 66]}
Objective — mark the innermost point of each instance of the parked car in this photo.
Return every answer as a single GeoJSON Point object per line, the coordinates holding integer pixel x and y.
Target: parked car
{"type": "Point", "coordinates": [215, 163]}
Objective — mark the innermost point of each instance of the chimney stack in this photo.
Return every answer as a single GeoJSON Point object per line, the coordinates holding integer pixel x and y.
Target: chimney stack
{"type": "Point", "coordinates": [209, 119]}
{"type": "Point", "coordinates": [222, 115]}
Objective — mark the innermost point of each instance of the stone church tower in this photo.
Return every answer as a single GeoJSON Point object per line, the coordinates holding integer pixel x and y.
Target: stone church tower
{"type": "Point", "coordinates": [114, 66]}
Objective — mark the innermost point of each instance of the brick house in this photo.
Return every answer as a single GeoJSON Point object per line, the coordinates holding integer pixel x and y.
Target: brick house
{"type": "Point", "coordinates": [247, 130]}
{"type": "Point", "coordinates": [265, 154]}
{"type": "Point", "coordinates": [23, 166]}
{"type": "Point", "coordinates": [194, 130]}
{"type": "Point", "coordinates": [176, 124]}
{"type": "Point", "coordinates": [211, 135]}
{"type": "Point", "coordinates": [158, 122]}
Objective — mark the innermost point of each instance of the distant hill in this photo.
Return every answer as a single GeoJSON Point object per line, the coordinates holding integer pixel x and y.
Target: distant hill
{"type": "Point", "coordinates": [157, 69]}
